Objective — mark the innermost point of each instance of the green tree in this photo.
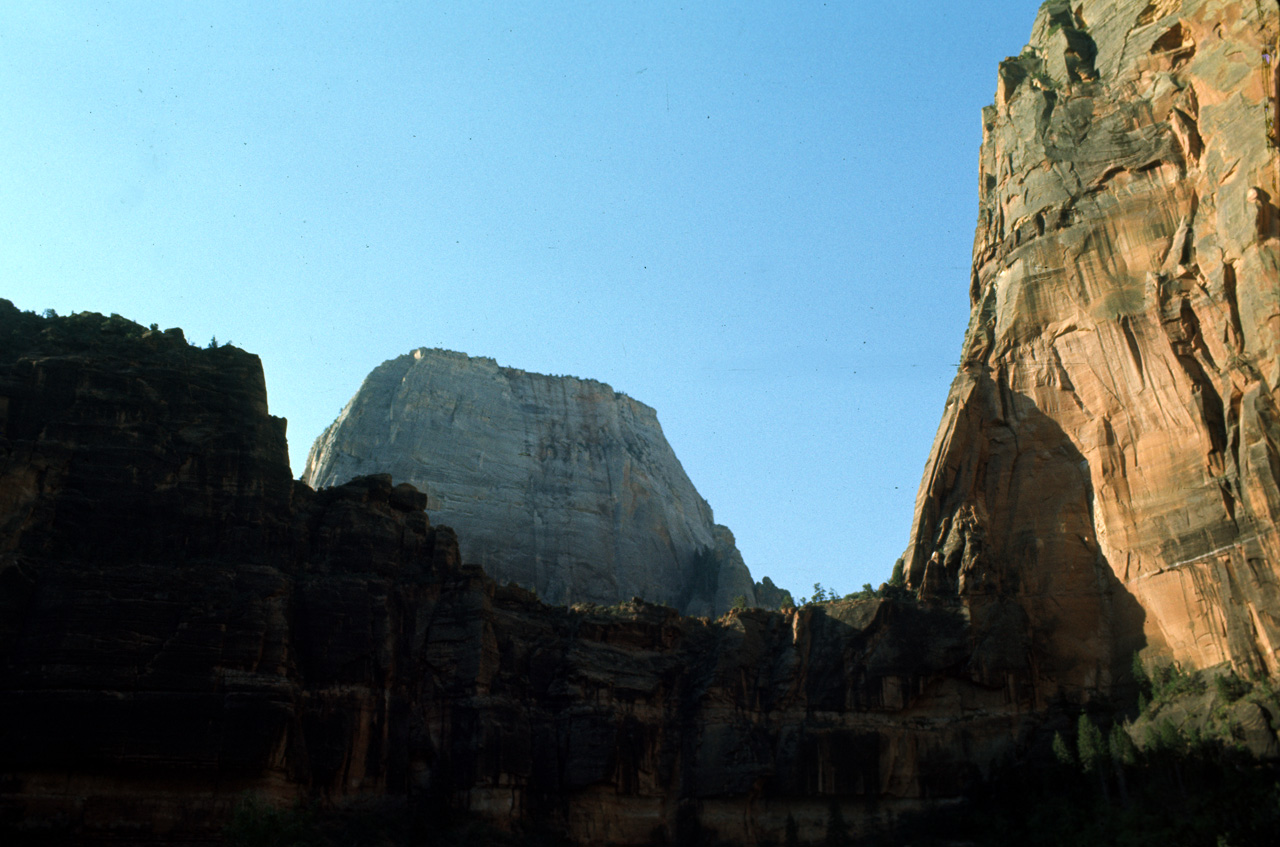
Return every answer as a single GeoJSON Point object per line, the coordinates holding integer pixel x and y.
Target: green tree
{"type": "Point", "coordinates": [899, 576]}
{"type": "Point", "coordinates": [1230, 687]}
{"type": "Point", "coordinates": [258, 824]}
{"type": "Point", "coordinates": [1123, 753]}
{"type": "Point", "coordinates": [1165, 736]}
{"type": "Point", "coordinates": [1061, 751]}
{"type": "Point", "coordinates": [1140, 673]}
{"type": "Point", "coordinates": [1089, 744]}
{"type": "Point", "coordinates": [1121, 747]}
{"type": "Point", "coordinates": [1143, 681]}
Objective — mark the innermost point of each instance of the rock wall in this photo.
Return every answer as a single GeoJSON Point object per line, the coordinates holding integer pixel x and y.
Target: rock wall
{"type": "Point", "coordinates": [1109, 456]}
{"type": "Point", "coordinates": [561, 485]}
{"type": "Point", "coordinates": [182, 623]}
{"type": "Point", "coordinates": [179, 620]}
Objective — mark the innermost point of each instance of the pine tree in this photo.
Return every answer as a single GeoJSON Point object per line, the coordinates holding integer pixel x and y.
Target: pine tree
{"type": "Point", "coordinates": [1123, 752]}
{"type": "Point", "coordinates": [1061, 751]}
{"type": "Point", "coordinates": [1141, 678]}
{"type": "Point", "coordinates": [1089, 744]}
{"type": "Point", "coordinates": [792, 838]}
{"type": "Point", "coordinates": [1121, 746]}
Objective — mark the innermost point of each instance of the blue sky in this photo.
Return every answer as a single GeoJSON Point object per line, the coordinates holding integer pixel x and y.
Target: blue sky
{"type": "Point", "coordinates": [755, 217]}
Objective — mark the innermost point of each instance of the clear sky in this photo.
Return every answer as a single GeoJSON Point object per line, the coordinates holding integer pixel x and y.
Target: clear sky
{"type": "Point", "coordinates": [755, 217]}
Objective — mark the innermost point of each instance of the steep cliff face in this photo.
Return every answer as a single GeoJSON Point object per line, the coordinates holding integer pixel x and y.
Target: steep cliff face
{"type": "Point", "coordinates": [179, 619]}
{"type": "Point", "coordinates": [1109, 455]}
{"type": "Point", "coordinates": [182, 622]}
{"type": "Point", "coordinates": [559, 484]}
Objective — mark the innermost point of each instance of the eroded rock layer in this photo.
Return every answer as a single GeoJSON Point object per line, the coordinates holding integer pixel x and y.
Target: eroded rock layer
{"type": "Point", "coordinates": [559, 484]}
{"type": "Point", "coordinates": [1110, 451]}
{"type": "Point", "coordinates": [181, 622]}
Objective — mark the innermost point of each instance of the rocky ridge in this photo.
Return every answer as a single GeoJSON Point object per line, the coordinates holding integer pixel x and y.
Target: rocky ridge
{"type": "Point", "coordinates": [1109, 455]}
{"type": "Point", "coordinates": [183, 623]}
{"type": "Point", "coordinates": [559, 484]}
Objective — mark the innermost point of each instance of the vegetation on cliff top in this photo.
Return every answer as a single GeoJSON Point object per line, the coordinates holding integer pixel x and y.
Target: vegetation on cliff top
{"type": "Point", "coordinates": [24, 330]}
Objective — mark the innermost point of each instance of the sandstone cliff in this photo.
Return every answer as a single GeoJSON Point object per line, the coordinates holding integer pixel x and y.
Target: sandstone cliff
{"type": "Point", "coordinates": [182, 622]}
{"type": "Point", "coordinates": [1109, 456]}
{"type": "Point", "coordinates": [179, 619]}
{"type": "Point", "coordinates": [561, 485]}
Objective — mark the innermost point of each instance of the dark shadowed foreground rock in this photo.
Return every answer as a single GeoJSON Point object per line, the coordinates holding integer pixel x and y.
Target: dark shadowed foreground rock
{"type": "Point", "coordinates": [182, 622]}
{"type": "Point", "coordinates": [560, 484]}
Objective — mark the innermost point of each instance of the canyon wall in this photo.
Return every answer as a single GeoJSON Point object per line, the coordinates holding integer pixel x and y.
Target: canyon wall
{"type": "Point", "coordinates": [1109, 455]}
{"type": "Point", "coordinates": [181, 623]}
{"type": "Point", "coordinates": [559, 484]}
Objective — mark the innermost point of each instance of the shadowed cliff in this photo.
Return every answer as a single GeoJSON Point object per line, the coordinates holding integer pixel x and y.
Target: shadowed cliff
{"type": "Point", "coordinates": [183, 622]}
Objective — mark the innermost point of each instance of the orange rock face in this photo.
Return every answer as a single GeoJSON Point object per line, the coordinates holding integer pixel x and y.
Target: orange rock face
{"type": "Point", "coordinates": [1110, 450]}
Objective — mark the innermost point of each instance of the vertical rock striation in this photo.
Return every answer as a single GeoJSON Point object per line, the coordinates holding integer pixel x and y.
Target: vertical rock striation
{"type": "Point", "coordinates": [1109, 456]}
{"type": "Point", "coordinates": [179, 619]}
{"type": "Point", "coordinates": [562, 485]}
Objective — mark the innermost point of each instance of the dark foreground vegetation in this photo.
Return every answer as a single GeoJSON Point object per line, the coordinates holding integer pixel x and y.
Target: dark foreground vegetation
{"type": "Point", "coordinates": [1211, 796]}
{"type": "Point", "coordinates": [1193, 764]}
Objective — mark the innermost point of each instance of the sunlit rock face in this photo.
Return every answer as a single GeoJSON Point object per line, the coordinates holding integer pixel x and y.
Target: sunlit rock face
{"type": "Point", "coordinates": [1110, 450]}
{"type": "Point", "coordinates": [559, 484]}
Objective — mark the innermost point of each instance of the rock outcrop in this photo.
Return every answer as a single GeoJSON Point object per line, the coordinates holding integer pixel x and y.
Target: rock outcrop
{"type": "Point", "coordinates": [770, 596]}
{"type": "Point", "coordinates": [559, 484]}
{"type": "Point", "coordinates": [1109, 456]}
